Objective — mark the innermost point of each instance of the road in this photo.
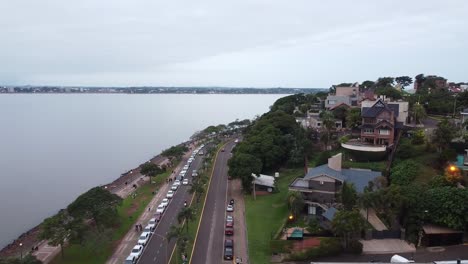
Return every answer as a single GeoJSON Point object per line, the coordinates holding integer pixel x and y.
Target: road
{"type": "Point", "coordinates": [158, 251]}
{"type": "Point", "coordinates": [209, 244]}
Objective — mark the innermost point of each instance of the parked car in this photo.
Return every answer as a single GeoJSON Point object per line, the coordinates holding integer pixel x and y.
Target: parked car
{"type": "Point", "coordinates": [165, 202]}
{"type": "Point", "coordinates": [170, 194]}
{"type": "Point", "coordinates": [236, 141]}
{"type": "Point", "coordinates": [174, 187]}
{"type": "Point", "coordinates": [148, 229]}
{"type": "Point", "coordinates": [185, 182]}
{"type": "Point", "coordinates": [229, 231]}
{"type": "Point", "coordinates": [136, 251]}
{"type": "Point", "coordinates": [200, 153]}
{"type": "Point", "coordinates": [157, 216]}
{"type": "Point", "coordinates": [230, 208]}
{"type": "Point", "coordinates": [186, 167]}
{"type": "Point", "coordinates": [130, 260]}
{"type": "Point", "coordinates": [229, 221]}
{"type": "Point", "coordinates": [160, 209]}
{"type": "Point", "coordinates": [143, 239]}
{"type": "Point", "coordinates": [177, 182]}
{"type": "Point", "coordinates": [222, 150]}
{"type": "Point", "coordinates": [228, 249]}
{"type": "Point", "coordinates": [152, 223]}
{"type": "Point", "coordinates": [231, 202]}
{"type": "Point", "coordinates": [194, 173]}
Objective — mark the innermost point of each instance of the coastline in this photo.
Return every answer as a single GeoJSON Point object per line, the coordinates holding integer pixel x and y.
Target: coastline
{"type": "Point", "coordinates": [29, 238]}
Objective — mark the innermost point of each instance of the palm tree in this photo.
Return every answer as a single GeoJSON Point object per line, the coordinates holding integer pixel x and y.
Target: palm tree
{"type": "Point", "coordinates": [177, 232]}
{"type": "Point", "coordinates": [295, 202]}
{"type": "Point", "coordinates": [328, 121]}
{"type": "Point", "coordinates": [187, 214]}
{"type": "Point", "coordinates": [197, 187]}
{"type": "Point", "coordinates": [419, 113]}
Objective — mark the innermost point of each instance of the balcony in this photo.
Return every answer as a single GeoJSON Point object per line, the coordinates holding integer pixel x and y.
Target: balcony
{"type": "Point", "coordinates": [356, 144]}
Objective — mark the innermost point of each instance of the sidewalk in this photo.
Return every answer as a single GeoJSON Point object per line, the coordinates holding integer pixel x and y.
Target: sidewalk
{"type": "Point", "coordinates": [240, 229]}
{"type": "Point", "coordinates": [374, 220]}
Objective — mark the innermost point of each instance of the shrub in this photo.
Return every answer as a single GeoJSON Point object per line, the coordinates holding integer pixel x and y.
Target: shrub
{"type": "Point", "coordinates": [446, 155]}
{"type": "Point", "coordinates": [404, 172]}
{"type": "Point", "coordinates": [418, 137]}
{"type": "Point", "coordinates": [328, 247]}
{"type": "Point", "coordinates": [281, 246]}
{"type": "Point", "coordinates": [354, 247]}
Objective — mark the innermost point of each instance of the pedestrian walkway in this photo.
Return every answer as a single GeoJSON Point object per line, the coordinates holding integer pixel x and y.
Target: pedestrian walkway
{"type": "Point", "coordinates": [386, 246]}
{"type": "Point", "coordinates": [373, 219]}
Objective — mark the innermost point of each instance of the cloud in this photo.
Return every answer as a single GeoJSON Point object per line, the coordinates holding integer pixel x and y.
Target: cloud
{"type": "Point", "coordinates": [241, 43]}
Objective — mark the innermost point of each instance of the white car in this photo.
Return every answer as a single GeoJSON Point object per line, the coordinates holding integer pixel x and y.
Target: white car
{"type": "Point", "coordinates": [186, 167]}
{"type": "Point", "coordinates": [143, 239]}
{"type": "Point", "coordinates": [136, 251]}
{"type": "Point", "coordinates": [165, 202]}
{"type": "Point", "coordinates": [236, 141]}
{"type": "Point", "coordinates": [230, 208]}
{"type": "Point", "coordinates": [160, 209]}
{"type": "Point", "coordinates": [148, 229]}
{"type": "Point", "coordinates": [183, 172]}
{"type": "Point", "coordinates": [130, 260]}
{"type": "Point", "coordinates": [185, 182]}
{"type": "Point", "coordinates": [194, 173]}
{"type": "Point", "coordinates": [170, 194]}
{"type": "Point", "coordinates": [174, 187]}
{"type": "Point", "coordinates": [177, 182]}
{"type": "Point", "coordinates": [152, 223]}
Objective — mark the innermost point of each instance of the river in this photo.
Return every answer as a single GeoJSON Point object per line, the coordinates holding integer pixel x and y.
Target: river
{"type": "Point", "coordinates": [53, 147]}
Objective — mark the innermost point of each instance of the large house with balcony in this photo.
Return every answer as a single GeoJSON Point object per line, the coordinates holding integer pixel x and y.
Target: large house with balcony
{"type": "Point", "coordinates": [321, 185]}
{"type": "Point", "coordinates": [379, 123]}
{"type": "Point", "coordinates": [344, 95]}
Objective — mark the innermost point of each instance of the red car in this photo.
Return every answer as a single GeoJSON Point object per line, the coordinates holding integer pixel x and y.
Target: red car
{"type": "Point", "coordinates": [158, 216]}
{"type": "Point", "coordinates": [229, 231]}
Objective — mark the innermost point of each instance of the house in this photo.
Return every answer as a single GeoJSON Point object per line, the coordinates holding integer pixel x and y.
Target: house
{"type": "Point", "coordinates": [464, 115]}
{"type": "Point", "coordinates": [314, 121]}
{"type": "Point", "coordinates": [348, 95]}
{"type": "Point", "coordinates": [264, 182]}
{"type": "Point", "coordinates": [402, 106]}
{"type": "Point", "coordinates": [379, 123]}
{"type": "Point", "coordinates": [434, 235]}
{"type": "Point", "coordinates": [321, 185]}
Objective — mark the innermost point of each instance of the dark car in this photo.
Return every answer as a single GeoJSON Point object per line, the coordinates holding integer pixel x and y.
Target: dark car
{"type": "Point", "coordinates": [228, 249]}
{"type": "Point", "coordinates": [229, 231]}
{"type": "Point", "coordinates": [158, 216]}
{"type": "Point", "coordinates": [231, 202]}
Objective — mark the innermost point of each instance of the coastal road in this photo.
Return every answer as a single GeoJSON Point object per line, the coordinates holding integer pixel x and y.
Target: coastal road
{"type": "Point", "coordinates": [158, 251]}
{"type": "Point", "coordinates": [209, 244]}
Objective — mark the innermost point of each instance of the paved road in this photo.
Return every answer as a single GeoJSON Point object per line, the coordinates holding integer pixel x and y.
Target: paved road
{"type": "Point", "coordinates": [209, 244]}
{"type": "Point", "coordinates": [157, 251]}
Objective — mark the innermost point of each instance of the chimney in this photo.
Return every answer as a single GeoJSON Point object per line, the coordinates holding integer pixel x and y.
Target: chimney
{"type": "Point", "coordinates": [335, 162]}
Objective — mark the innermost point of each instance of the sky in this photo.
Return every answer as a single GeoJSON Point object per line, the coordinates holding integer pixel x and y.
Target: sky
{"type": "Point", "coordinates": [242, 43]}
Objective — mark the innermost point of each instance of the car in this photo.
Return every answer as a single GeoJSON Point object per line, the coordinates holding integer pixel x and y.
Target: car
{"type": "Point", "coordinates": [174, 187]}
{"type": "Point", "coordinates": [230, 208]}
{"type": "Point", "coordinates": [222, 150]}
{"type": "Point", "coordinates": [186, 167]}
{"type": "Point", "coordinates": [152, 223]}
{"type": "Point", "coordinates": [229, 221]}
{"type": "Point", "coordinates": [200, 153]}
{"type": "Point", "coordinates": [170, 194]}
{"type": "Point", "coordinates": [136, 251]}
{"type": "Point", "coordinates": [185, 182]}
{"type": "Point", "coordinates": [231, 202]}
{"type": "Point", "coordinates": [160, 209]}
{"type": "Point", "coordinates": [183, 172]}
{"type": "Point", "coordinates": [194, 173]}
{"type": "Point", "coordinates": [148, 229]}
{"type": "Point", "coordinates": [229, 231]}
{"type": "Point", "coordinates": [177, 182]}
{"type": "Point", "coordinates": [143, 239]}
{"type": "Point", "coordinates": [130, 260]}
{"type": "Point", "coordinates": [165, 202]}
{"type": "Point", "coordinates": [228, 251]}
{"type": "Point", "coordinates": [236, 141]}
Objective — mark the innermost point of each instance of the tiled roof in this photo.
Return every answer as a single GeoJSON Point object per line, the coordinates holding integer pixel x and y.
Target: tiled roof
{"type": "Point", "coordinates": [378, 107]}
{"type": "Point", "coordinates": [358, 177]}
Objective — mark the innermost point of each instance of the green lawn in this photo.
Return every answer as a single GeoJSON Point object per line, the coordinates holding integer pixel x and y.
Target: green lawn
{"type": "Point", "coordinates": [372, 165]}
{"type": "Point", "coordinates": [266, 215]}
{"type": "Point", "coordinates": [128, 212]}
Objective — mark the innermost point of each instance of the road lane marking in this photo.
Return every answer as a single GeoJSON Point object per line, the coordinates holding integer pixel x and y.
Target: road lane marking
{"type": "Point", "coordinates": [204, 203]}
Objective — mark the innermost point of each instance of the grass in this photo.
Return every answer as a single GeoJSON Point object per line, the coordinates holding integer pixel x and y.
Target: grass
{"type": "Point", "coordinates": [128, 213]}
{"type": "Point", "coordinates": [265, 216]}
{"type": "Point", "coordinates": [371, 165]}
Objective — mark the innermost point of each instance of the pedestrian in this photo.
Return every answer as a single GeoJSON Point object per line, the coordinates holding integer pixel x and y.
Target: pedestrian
{"type": "Point", "coordinates": [136, 227]}
{"type": "Point", "coordinates": [125, 183]}
{"type": "Point", "coordinates": [149, 208]}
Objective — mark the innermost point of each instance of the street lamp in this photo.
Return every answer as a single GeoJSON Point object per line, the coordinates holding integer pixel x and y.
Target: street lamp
{"type": "Point", "coordinates": [21, 248]}
{"type": "Point", "coordinates": [452, 168]}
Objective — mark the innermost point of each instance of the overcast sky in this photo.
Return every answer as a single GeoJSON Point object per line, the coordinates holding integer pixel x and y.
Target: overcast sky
{"type": "Point", "coordinates": [249, 43]}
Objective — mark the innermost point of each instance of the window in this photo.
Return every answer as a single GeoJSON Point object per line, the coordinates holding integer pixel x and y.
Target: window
{"type": "Point", "coordinates": [368, 131]}
{"type": "Point", "coordinates": [321, 182]}
{"type": "Point", "coordinates": [384, 132]}
{"type": "Point", "coordinates": [331, 102]}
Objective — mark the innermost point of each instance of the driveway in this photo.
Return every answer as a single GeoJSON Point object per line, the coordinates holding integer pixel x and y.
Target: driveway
{"type": "Point", "coordinates": [386, 246]}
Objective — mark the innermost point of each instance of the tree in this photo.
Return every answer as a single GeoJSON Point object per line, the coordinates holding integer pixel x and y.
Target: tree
{"type": "Point", "coordinates": [389, 92]}
{"type": "Point", "coordinates": [197, 187]}
{"type": "Point", "coordinates": [368, 84]}
{"type": "Point", "coordinates": [181, 239]}
{"type": "Point", "coordinates": [443, 134]}
{"type": "Point", "coordinates": [404, 172]}
{"type": "Point", "coordinates": [150, 169]}
{"type": "Point", "coordinates": [418, 137]}
{"type": "Point", "coordinates": [241, 166]}
{"type": "Point", "coordinates": [187, 214]}
{"type": "Point", "coordinates": [404, 81]}
{"type": "Point", "coordinates": [175, 151]}
{"type": "Point", "coordinates": [353, 119]}
{"type": "Point", "coordinates": [57, 229]}
{"type": "Point", "coordinates": [447, 206]}
{"type": "Point", "coordinates": [385, 82]}
{"type": "Point", "coordinates": [348, 196]}
{"type": "Point", "coordinates": [98, 205]}
{"type": "Point", "coordinates": [328, 121]}
{"type": "Point", "coordinates": [347, 225]}
{"type": "Point", "coordinates": [295, 202]}
{"type": "Point", "coordinates": [366, 200]}
{"type": "Point", "coordinates": [419, 113]}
